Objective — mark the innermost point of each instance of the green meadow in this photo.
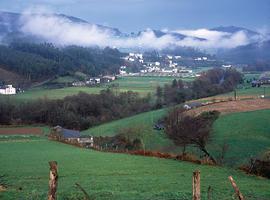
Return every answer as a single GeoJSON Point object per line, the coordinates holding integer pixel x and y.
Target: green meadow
{"type": "Point", "coordinates": [113, 176]}
{"type": "Point", "coordinates": [246, 134]}
{"type": "Point", "coordinates": [142, 85]}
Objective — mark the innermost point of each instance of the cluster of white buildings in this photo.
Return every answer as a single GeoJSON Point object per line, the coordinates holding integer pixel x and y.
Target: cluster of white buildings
{"type": "Point", "coordinates": [94, 81]}
{"type": "Point", "coordinates": [7, 90]}
{"type": "Point", "coordinates": [132, 57]}
{"type": "Point", "coordinates": [166, 65]}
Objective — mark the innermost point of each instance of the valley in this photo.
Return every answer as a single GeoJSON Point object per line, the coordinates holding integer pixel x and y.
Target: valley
{"type": "Point", "coordinates": [134, 100]}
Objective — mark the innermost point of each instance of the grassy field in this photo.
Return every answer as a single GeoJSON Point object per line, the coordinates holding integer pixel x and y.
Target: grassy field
{"type": "Point", "coordinates": [246, 133]}
{"type": "Point", "coordinates": [142, 85]}
{"type": "Point", "coordinates": [245, 90]}
{"type": "Point", "coordinates": [153, 139]}
{"type": "Point", "coordinates": [54, 93]}
{"type": "Point", "coordinates": [113, 176]}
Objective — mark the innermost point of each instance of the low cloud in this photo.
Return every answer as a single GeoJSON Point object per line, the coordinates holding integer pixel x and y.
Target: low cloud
{"type": "Point", "coordinates": [62, 31]}
{"type": "Point", "coordinates": [213, 39]}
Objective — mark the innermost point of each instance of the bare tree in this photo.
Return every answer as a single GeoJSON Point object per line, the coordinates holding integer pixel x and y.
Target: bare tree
{"type": "Point", "coordinates": [185, 129]}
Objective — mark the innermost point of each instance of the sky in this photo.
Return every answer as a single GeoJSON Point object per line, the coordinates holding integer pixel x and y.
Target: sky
{"type": "Point", "coordinates": [134, 15]}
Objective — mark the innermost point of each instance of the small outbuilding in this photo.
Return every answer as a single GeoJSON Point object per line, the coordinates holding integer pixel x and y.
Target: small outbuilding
{"type": "Point", "coordinates": [192, 105]}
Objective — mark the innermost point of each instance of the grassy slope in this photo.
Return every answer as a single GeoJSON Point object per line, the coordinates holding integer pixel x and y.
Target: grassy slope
{"type": "Point", "coordinates": [113, 176]}
{"type": "Point", "coordinates": [247, 133]}
{"type": "Point", "coordinates": [154, 140]}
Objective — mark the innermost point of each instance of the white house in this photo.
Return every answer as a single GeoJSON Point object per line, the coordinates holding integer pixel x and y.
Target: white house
{"type": "Point", "coordinates": [227, 66]}
{"type": "Point", "coordinates": [157, 63]}
{"type": "Point", "coordinates": [169, 57]}
{"type": "Point", "coordinates": [204, 58]}
{"type": "Point", "coordinates": [7, 90]}
{"type": "Point", "coordinates": [93, 80]}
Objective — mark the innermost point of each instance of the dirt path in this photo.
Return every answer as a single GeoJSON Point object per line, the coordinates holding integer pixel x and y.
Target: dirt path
{"type": "Point", "coordinates": [234, 106]}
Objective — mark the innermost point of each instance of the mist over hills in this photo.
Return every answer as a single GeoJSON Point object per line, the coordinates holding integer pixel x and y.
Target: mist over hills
{"type": "Point", "coordinates": [227, 42]}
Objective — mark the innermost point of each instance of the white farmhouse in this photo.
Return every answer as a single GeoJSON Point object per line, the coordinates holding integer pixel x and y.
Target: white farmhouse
{"type": "Point", "coordinates": [169, 57]}
{"type": "Point", "coordinates": [227, 66]}
{"type": "Point", "coordinates": [7, 90]}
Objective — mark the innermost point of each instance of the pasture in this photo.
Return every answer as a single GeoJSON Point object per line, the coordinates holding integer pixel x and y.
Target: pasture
{"type": "Point", "coordinates": [245, 90]}
{"type": "Point", "coordinates": [142, 85]}
{"type": "Point", "coordinates": [247, 134]}
{"type": "Point", "coordinates": [153, 139]}
{"type": "Point", "coordinates": [113, 176]}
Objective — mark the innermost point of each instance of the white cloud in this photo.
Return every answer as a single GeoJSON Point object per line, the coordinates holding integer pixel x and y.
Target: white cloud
{"type": "Point", "coordinates": [62, 31]}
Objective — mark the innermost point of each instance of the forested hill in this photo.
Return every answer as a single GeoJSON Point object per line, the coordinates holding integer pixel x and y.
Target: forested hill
{"type": "Point", "coordinates": [42, 61]}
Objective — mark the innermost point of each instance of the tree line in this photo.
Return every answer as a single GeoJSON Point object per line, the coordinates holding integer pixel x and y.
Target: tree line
{"type": "Point", "coordinates": [210, 83]}
{"type": "Point", "coordinates": [257, 67]}
{"type": "Point", "coordinates": [42, 61]}
{"type": "Point", "coordinates": [75, 112]}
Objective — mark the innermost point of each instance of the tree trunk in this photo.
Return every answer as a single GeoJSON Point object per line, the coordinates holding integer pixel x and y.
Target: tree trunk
{"type": "Point", "coordinates": [196, 189]}
{"type": "Point", "coordinates": [184, 150]}
{"type": "Point", "coordinates": [203, 149]}
{"type": "Point", "coordinates": [53, 180]}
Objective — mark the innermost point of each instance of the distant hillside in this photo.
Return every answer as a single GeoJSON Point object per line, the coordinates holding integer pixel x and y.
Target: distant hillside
{"type": "Point", "coordinates": [11, 27]}
{"type": "Point", "coordinates": [249, 54]}
{"type": "Point", "coordinates": [37, 62]}
{"type": "Point", "coordinates": [234, 29]}
{"type": "Point", "coordinates": [7, 77]}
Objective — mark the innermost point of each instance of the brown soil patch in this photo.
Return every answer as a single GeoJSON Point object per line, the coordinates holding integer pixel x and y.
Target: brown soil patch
{"type": "Point", "coordinates": [21, 131]}
{"type": "Point", "coordinates": [234, 106]}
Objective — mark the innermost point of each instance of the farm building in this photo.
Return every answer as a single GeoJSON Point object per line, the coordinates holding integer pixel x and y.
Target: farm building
{"type": "Point", "coordinates": [255, 83]}
{"type": "Point", "coordinates": [78, 84]}
{"type": "Point", "coordinates": [71, 136]}
{"type": "Point", "coordinates": [107, 79]}
{"type": "Point", "coordinates": [264, 78]}
{"type": "Point", "coordinates": [7, 90]}
{"type": "Point", "coordinates": [87, 141]}
{"type": "Point", "coordinates": [192, 105]}
{"type": "Point", "coordinates": [65, 134]}
{"type": "Point", "coordinates": [93, 81]}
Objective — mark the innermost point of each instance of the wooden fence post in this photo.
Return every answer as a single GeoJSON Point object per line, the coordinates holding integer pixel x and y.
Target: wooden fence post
{"type": "Point", "coordinates": [209, 193]}
{"type": "Point", "coordinates": [196, 186]}
{"type": "Point", "coordinates": [236, 189]}
{"type": "Point", "coordinates": [53, 180]}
